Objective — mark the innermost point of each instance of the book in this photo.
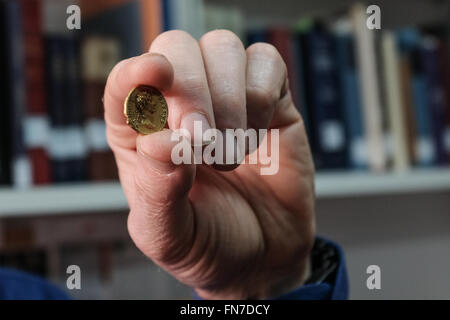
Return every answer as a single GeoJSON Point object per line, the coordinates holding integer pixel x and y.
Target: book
{"type": "Point", "coordinates": [328, 137]}
{"type": "Point", "coordinates": [349, 85]}
{"type": "Point", "coordinates": [122, 22]}
{"type": "Point", "coordinates": [5, 128]}
{"type": "Point", "coordinates": [367, 66]}
{"type": "Point", "coordinates": [20, 164]}
{"type": "Point", "coordinates": [395, 101]}
{"type": "Point", "coordinates": [66, 144]}
{"type": "Point", "coordinates": [74, 131]}
{"type": "Point", "coordinates": [36, 122]}
{"type": "Point", "coordinates": [187, 15]}
{"type": "Point", "coordinates": [151, 16]}
{"type": "Point", "coordinates": [282, 39]}
{"type": "Point", "coordinates": [409, 41]}
{"type": "Point", "coordinates": [302, 27]}
{"type": "Point", "coordinates": [435, 94]}
{"type": "Point", "coordinates": [99, 54]}
{"type": "Point", "coordinates": [444, 62]}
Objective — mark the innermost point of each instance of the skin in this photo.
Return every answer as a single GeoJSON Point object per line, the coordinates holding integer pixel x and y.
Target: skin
{"type": "Point", "coordinates": [228, 231]}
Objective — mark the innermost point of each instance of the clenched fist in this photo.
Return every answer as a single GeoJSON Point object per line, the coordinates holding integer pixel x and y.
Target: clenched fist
{"type": "Point", "coordinates": [227, 231]}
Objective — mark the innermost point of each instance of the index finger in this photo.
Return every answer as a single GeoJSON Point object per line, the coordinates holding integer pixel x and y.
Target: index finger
{"type": "Point", "coordinates": [149, 69]}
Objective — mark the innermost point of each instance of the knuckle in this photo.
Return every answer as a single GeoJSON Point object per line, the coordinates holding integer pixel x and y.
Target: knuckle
{"type": "Point", "coordinates": [195, 82]}
{"type": "Point", "coordinates": [262, 96]}
{"type": "Point", "coordinates": [222, 38]}
{"type": "Point", "coordinates": [171, 36]}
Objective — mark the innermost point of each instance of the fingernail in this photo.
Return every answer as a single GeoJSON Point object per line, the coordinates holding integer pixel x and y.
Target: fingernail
{"type": "Point", "coordinates": [196, 124]}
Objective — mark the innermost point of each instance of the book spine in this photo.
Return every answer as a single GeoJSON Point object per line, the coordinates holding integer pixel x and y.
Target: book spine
{"type": "Point", "coordinates": [5, 128]}
{"type": "Point", "coordinates": [424, 148]}
{"type": "Point", "coordinates": [20, 165]}
{"type": "Point", "coordinates": [36, 122]}
{"type": "Point", "coordinates": [444, 59]}
{"type": "Point", "coordinates": [366, 57]}
{"type": "Point", "coordinates": [76, 158]}
{"type": "Point", "coordinates": [56, 87]}
{"type": "Point", "coordinates": [283, 40]}
{"type": "Point", "coordinates": [99, 57]}
{"type": "Point", "coordinates": [351, 100]}
{"type": "Point", "coordinates": [66, 144]}
{"type": "Point", "coordinates": [435, 95]}
{"type": "Point", "coordinates": [329, 136]}
{"type": "Point", "coordinates": [301, 81]}
{"type": "Point", "coordinates": [394, 99]}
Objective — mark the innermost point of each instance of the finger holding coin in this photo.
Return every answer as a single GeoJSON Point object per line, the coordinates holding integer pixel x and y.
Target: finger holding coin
{"type": "Point", "coordinates": [150, 69]}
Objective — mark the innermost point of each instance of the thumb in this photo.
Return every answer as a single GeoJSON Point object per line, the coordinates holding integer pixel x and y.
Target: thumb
{"type": "Point", "coordinates": [161, 221]}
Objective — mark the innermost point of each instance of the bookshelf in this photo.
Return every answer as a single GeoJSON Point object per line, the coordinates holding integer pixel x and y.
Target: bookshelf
{"type": "Point", "coordinates": [104, 197]}
{"type": "Point", "coordinates": [358, 209]}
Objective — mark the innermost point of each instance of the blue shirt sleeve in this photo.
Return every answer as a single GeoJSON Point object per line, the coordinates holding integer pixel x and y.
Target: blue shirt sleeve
{"type": "Point", "coordinates": [337, 289]}
{"type": "Point", "coordinates": [16, 285]}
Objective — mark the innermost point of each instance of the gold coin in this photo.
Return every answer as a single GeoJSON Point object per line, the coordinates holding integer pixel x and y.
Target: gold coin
{"type": "Point", "coordinates": [146, 110]}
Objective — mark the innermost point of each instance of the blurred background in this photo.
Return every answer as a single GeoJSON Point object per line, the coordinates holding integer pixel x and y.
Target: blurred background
{"type": "Point", "coordinates": [376, 104]}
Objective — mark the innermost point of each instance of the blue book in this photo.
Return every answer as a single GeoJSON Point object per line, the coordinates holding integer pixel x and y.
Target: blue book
{"type": "Point", "coordinates": [351, 100]}
{"type": "Point", "coordinates": [328, 138]}
{"type": "Point", "coordinates": [167, 15]}
{"type": "Point", "coordinates": [429, 59]}
{"type": "Point", "coordinates": [256, 35]}
{"type": "Point", "coordinates": [66, 146]}
{"type": "Point", "coordinates": [56, 95]}
{"type": "Point", "coordinates": [76, 161]}
{"type": "Point", "coordinates": [409, 41]}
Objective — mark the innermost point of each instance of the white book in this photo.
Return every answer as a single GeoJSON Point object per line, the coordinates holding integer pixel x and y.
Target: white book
{"type": "Point", "coordinates": [396, 116]}
{"type": "Point", "coordinates": [366, 59]}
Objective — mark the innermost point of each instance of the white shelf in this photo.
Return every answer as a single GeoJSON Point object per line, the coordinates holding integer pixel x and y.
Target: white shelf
{"type": "Point", "coordinates": [345, 184]}
{"type": "Point", "coordinates": [98, 197]}
{"type": "Point", "coordinates": [62, 199]}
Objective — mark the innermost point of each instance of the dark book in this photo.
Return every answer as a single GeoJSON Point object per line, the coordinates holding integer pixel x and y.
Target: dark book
{"type": "Point", "coordinates": [122, 22]}
{"type": "Point", "coordinates": [349, 85]}
{"type": "Point", "coordinates": [5, 140]}
{"type": "Point", "coordinates": [303, 27]}
{"type": "Point", "coordinates": [66, 146]}
{"type": "Point", "coordinates": [20, 166]}
{"type": "Point", "coordinates": [256, 35]}
{"type": "Point", "coordinates": [435, 94]}
{"type": "Point", "coordinates": [409, 41]}
{"type": "Point", "coordinates": [283, 40]}
{"type": "Point", "coordinates": [328, 138]}
{"type": "Point", "coordinates": [406, 77]}
{"type": "Point", "coordinates": [444, 66]}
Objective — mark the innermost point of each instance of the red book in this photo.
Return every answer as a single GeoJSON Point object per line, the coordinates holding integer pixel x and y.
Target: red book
{"type": "Point", "coordinates": [281, 38]}
{"type": "Point", "coordinates": [36, 122]}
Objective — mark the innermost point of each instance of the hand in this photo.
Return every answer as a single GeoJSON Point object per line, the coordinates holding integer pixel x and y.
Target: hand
{"type": "Point", "coordinates": [226, 233]}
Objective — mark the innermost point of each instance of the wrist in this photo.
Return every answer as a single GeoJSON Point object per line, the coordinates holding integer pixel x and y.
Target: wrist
{"type": "Point", "coordinates": [267, 286]}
